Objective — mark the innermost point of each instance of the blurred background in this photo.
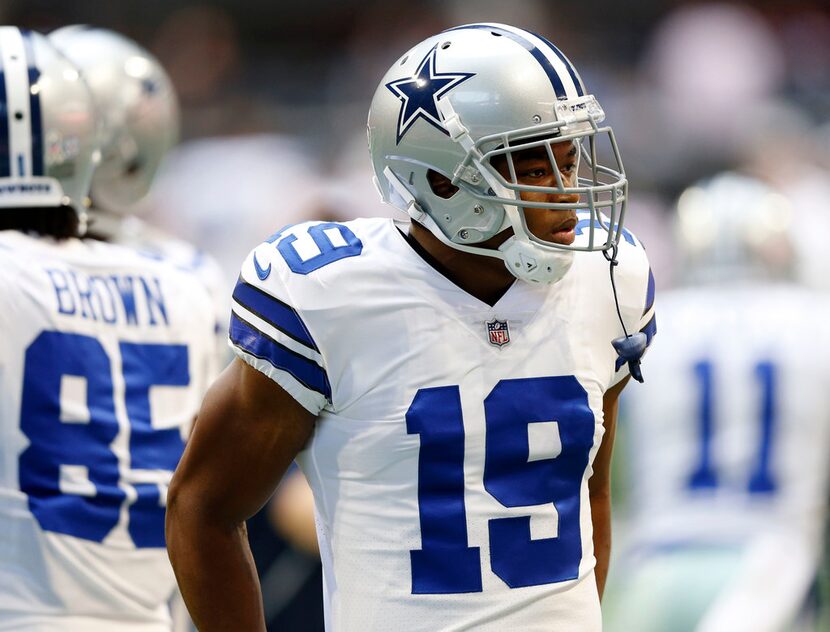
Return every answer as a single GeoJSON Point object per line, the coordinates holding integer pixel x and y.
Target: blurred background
{"type": "Point", "coordinates": [274, 97]}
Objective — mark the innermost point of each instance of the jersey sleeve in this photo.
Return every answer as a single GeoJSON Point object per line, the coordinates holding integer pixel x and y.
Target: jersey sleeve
{"type": "Point", "coordinates": [636, 293]}
{"type": "Point", "coordinates": [268, 332]}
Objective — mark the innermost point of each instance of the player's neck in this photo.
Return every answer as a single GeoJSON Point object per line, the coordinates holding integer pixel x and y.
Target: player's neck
{"type": "Point", "coordinates": [486, 278]}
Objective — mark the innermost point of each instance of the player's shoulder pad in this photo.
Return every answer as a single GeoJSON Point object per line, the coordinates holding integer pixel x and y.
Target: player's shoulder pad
{"type": "Point", "coordinates": [635, 285]}
{"type": "Point", "coordinates": [300, 268]}
{"type": "Point", "coordinates": [287, 285]}
{"type": "Point", "coordinates": [633, 278]}
{"type": "Point", "coordinates": [303, 256]}
{"type": "Point", "coordinates": [178, 278]}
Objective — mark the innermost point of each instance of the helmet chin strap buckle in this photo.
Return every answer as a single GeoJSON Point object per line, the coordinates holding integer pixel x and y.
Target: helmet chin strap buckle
{"type": "Point", "coordinates": [452, 123]}
{"type": "Point", "coordinates": [412, 207]}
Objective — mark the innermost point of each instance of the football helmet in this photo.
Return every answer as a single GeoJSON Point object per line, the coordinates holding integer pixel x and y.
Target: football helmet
{"type": "Point", "coordinates": [140, 114]}
{"type": "Point", "coordinates": [479, 92]}
{"type": "Point", "coordinates": [49, 135]}
{"type": "Point", "coordinates": [733, 227]}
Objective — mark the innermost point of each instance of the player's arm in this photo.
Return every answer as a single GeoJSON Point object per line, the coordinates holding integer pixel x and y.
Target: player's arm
{"type": "Point", "coordinates": [247, 433]}
{"type": "Point", "coordinates": [599, 485]}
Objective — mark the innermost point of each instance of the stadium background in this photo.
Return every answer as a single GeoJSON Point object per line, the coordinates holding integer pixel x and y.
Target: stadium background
{"type": "Point", "coordinates": [274, 98]}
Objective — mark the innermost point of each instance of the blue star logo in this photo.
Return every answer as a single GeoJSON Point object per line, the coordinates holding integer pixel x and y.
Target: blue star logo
{"type": "Point", "coordinates": [419, 94]}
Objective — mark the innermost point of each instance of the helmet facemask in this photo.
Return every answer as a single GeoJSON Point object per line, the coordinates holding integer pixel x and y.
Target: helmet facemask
{"type": "Point", "coordinates": [601, 189]}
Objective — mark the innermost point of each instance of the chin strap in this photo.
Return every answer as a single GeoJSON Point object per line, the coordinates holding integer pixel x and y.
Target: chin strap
{"type": "Point", "coordinates": [630, 347]}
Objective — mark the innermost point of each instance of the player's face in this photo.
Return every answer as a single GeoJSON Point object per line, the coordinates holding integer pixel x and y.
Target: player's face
{"type": "Point", "coordinates": [533, 167]}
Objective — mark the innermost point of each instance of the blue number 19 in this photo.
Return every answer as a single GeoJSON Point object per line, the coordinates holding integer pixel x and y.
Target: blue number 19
{"type": "Point", "coordinates": [446, 563]}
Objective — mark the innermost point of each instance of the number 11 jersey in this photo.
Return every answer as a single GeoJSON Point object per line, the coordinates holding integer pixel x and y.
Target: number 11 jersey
{"type": "Point", "coordinates": [454, 440]}
{"type": "Point", "coordinates": [105, 355]}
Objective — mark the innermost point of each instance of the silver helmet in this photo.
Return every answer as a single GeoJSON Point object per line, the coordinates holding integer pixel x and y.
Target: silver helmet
{"type": "Point", "coordinates": [475, 93]}
{"type": "Point", "coordinates": [140, 113]}
{"type": "Point", "coordinates": [733, 227]}
{"type": "Point", "coordinates": [49, 135]}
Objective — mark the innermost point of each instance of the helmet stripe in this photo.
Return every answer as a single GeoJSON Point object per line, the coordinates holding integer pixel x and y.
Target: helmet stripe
{"type": "Point", "coordinates": [580, 87]}
{"type": "Point", "coordinates": [563, 68]}
{"type": "Point", "coordinates": [5, 144]}
{"type": "Point", "coordinates": [5, 139]}
{"type": "Point", "coordinates": [35, 114]}
{"type": "Point", "coordinates": [545, 53]}
{"type": "Point", "coordinates": [17, 101]}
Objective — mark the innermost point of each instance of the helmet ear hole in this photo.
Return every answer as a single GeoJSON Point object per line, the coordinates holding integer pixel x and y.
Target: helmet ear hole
{"type": "Point", "coordinates": [441, 184]}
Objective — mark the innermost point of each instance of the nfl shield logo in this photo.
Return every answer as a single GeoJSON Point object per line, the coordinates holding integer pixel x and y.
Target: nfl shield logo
{"type": "Point", "coordinates": [498, 332]}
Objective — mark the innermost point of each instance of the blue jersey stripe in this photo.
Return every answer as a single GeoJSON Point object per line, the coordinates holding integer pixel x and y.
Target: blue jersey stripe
{"type": "Point", "coordinates": [650, 329]}
{"type": "Point", "coordinates": [273, 311]}
{"type": "Point", "coordinates": [649, 292]}
{"type": "Point", "coordinates": [5, 140]}
{"type": "Point", "coordinates": [257, 344]}
{"type": "Point", "coordinates": [538, 55]}
{"type": "Point", "coordinates": [35, 115]}
{"type": "Point", "coordinates": [580, 87]}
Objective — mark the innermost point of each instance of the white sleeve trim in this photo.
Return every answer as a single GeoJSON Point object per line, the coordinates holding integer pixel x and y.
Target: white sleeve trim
{"type": "Point", "coordinates": [309, 399]}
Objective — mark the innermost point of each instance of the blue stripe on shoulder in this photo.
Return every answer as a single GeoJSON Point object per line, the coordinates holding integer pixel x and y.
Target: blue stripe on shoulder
{"type": "Point", "coordinates": [257, 344]}
{"type": "Point", "coordinates": [273, 311]}
{"type": "Point", "coordinates": [35, 115]}
{"type": "Point", "coordinates": [650, 329]}
{"type": "Point", "coordinates": [538, 55]}
{"type": "Point", "coordinates": [649, 292]}
{"type": "Point", "coordinates": [583, 223]}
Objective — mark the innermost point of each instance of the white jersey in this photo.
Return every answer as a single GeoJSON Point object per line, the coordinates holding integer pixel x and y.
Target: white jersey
{"type": "Point", "coordinates": [454, 440]}
{"type": "Point", "coordinates": [730, 438]}
{"type": "Point", "coordinates": [152, 242]}
{"type": "Point", "coordinates": [104, 359]}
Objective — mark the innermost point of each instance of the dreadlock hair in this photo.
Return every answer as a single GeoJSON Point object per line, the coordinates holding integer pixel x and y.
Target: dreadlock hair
{"type": "Point", "coordinates": [59, 222]}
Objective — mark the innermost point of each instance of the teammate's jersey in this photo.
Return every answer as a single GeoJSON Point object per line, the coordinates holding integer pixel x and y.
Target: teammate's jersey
{"type": "Point", "coordinates": [732, 428]}
{"type": "Point", "coordinates": [150, 241]}
{"type": "Point", "coordinates": [105, 355]}
{"type": "Point", "coordinates": [730, 438]}
{"type": "Point", "coordinates": [454, 440]}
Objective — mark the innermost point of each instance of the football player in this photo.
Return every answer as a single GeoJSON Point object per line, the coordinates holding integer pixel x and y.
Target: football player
{"type": "Point", "coordinates": [139, 110]}
{"type": "Point", "coordinates": [105, 356]}
{"type": "Point", "coordinates": [450, 384]}
{"type": "Point", "coordinates": [730, 436]}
